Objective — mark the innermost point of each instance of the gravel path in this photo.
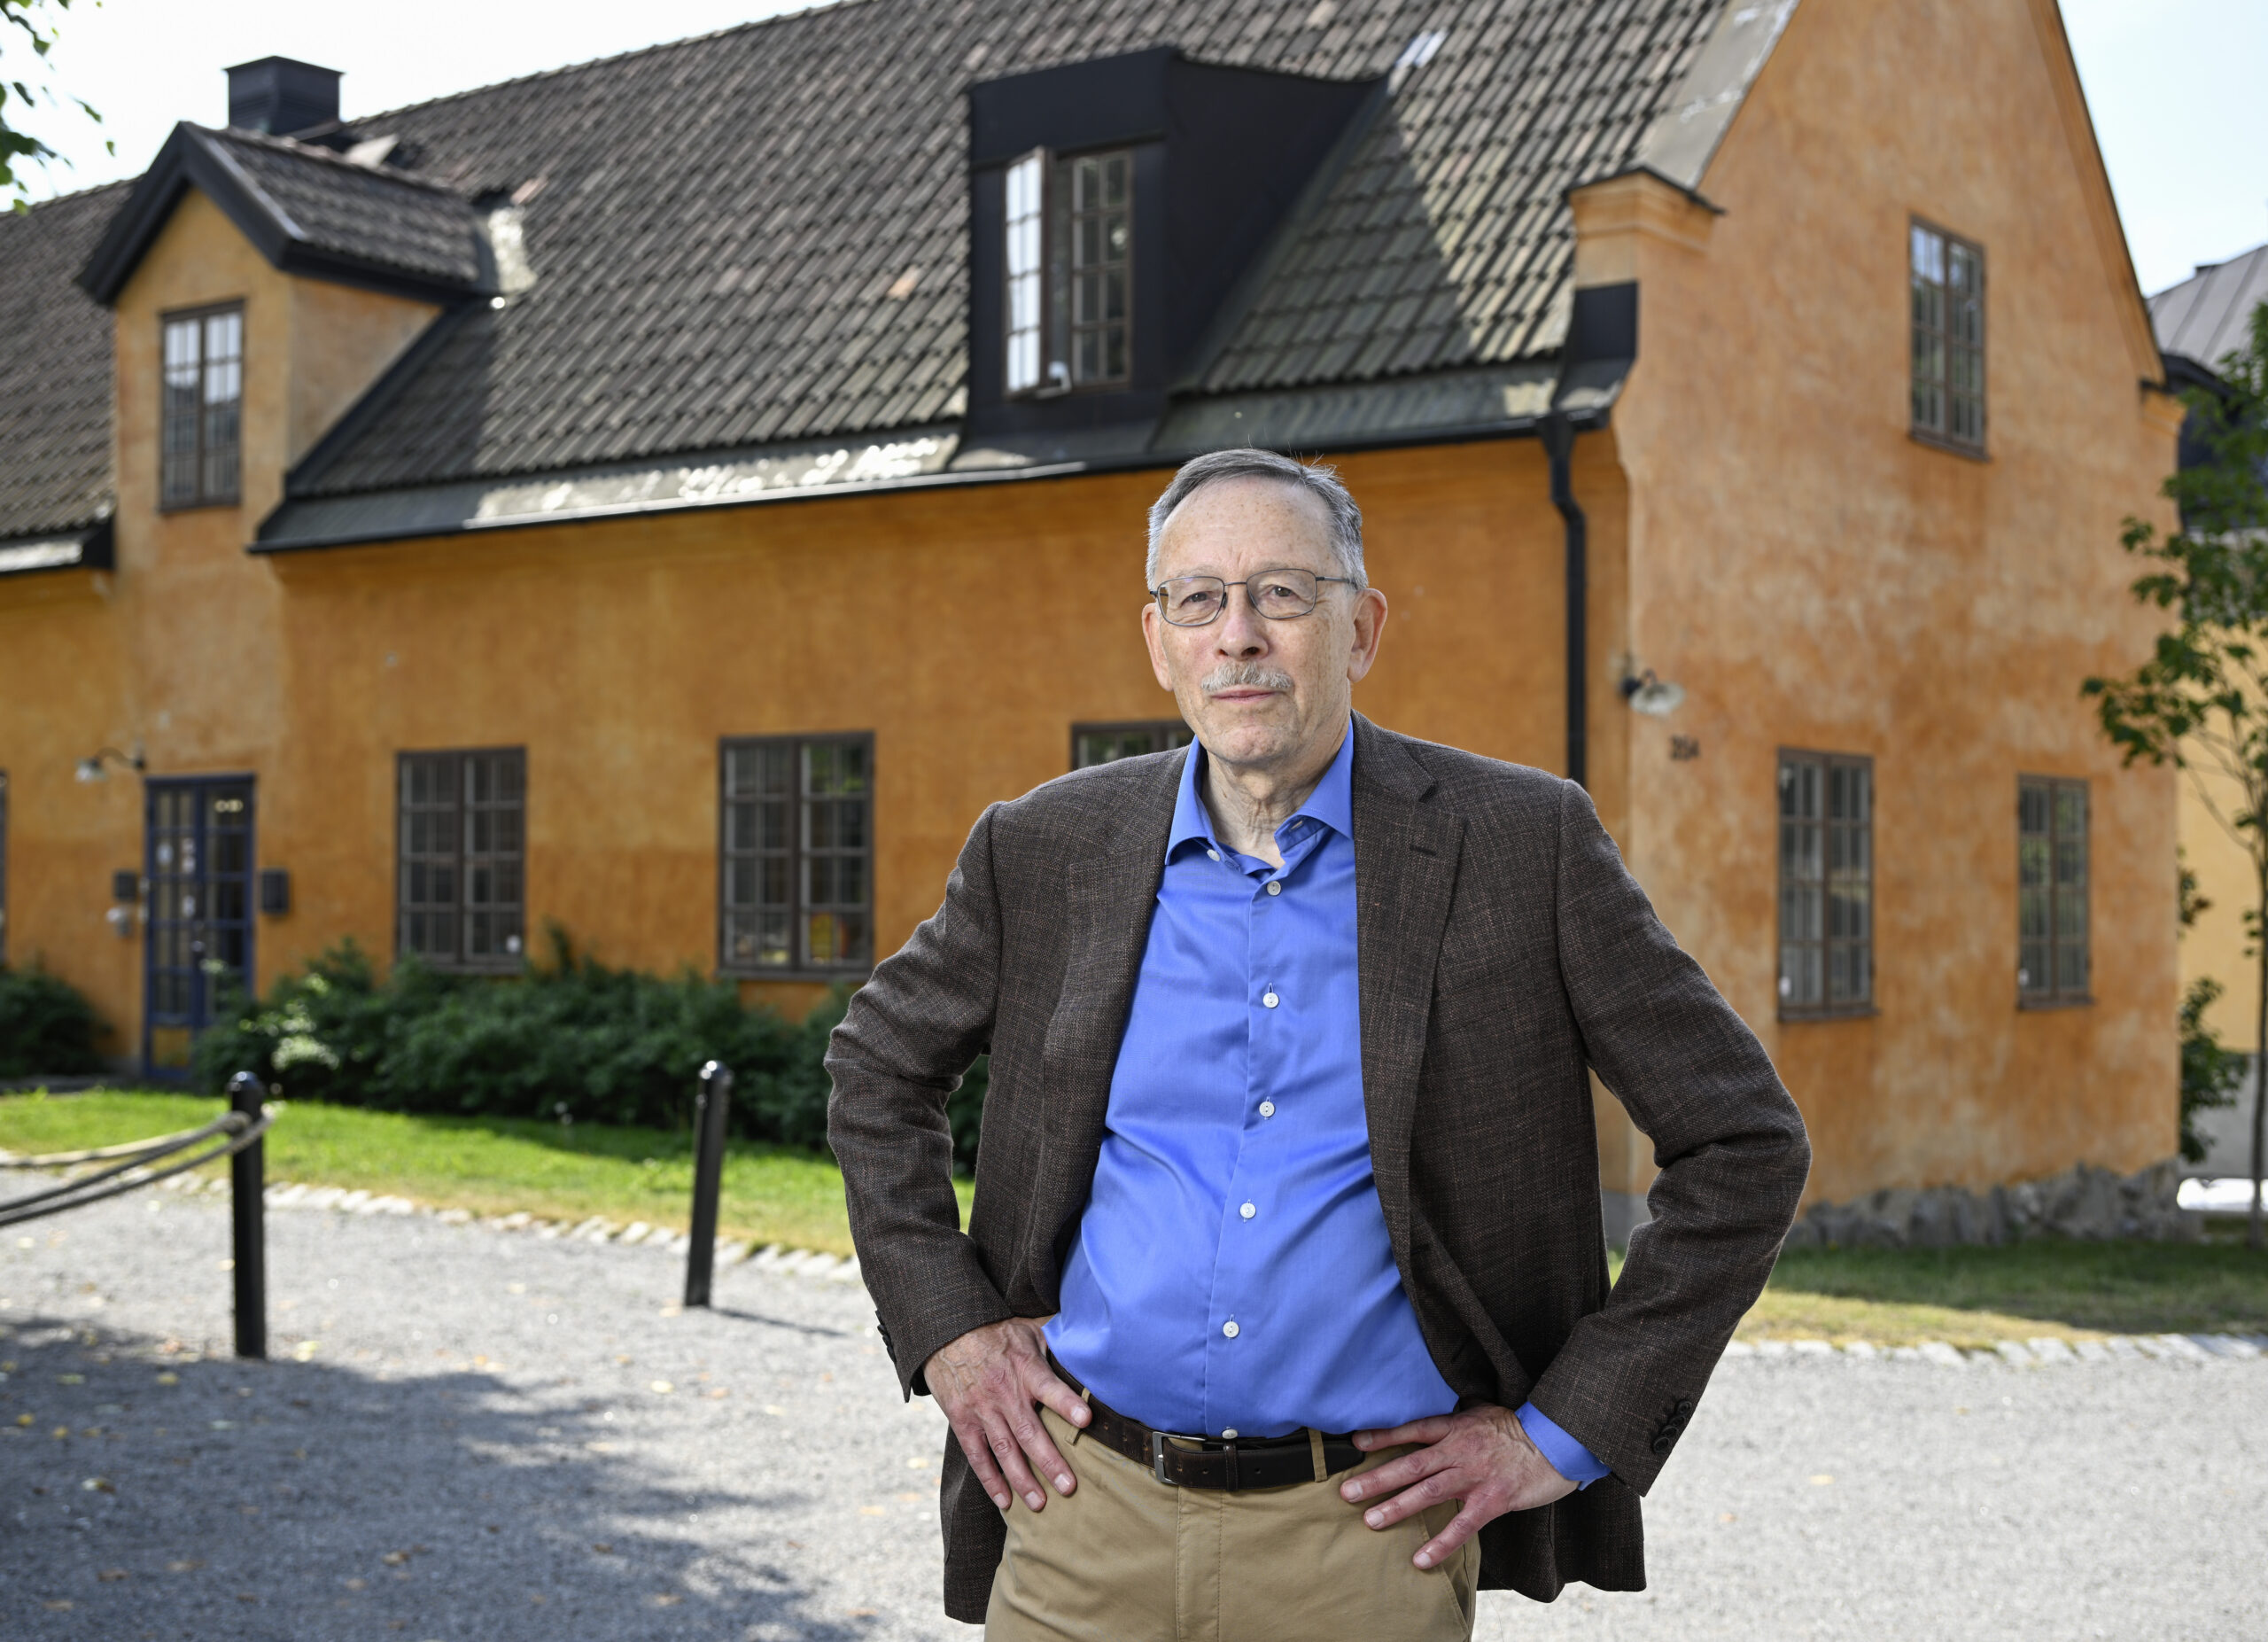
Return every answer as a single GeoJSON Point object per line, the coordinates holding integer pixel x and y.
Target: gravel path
{"type": "Point", "coordinates": [497, 1436]}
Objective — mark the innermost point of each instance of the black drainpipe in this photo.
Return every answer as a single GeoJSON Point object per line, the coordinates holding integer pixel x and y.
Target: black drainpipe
{"type": "Point", "coordinates": [1558, 435]}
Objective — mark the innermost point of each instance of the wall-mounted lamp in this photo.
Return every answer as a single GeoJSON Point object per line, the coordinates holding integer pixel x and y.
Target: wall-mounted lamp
{"type": "Point", "coordinates": [91, 769]}
{"type": "Point", "coordinates": [1655, 698]}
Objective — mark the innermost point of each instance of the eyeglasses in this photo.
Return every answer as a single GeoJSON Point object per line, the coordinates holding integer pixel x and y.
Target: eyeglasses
{"type": "Point", "coordinates": [1279, 594]}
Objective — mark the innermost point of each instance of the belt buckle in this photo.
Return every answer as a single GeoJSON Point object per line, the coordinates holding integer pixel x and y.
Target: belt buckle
{"type": "Point", "coordinates": [1158, 1459]}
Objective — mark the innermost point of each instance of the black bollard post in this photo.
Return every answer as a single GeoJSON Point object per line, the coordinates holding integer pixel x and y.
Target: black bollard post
{"type": "Point", "coordinates": [249, 1231]}
{"type": "Point", "coordinates": [708, 1174]}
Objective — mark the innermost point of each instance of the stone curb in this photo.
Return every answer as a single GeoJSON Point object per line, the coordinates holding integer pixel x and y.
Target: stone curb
{"type": "Point", "coordinates": [2180, 1351]}
{"type": "Point", "coordinates": [809, 1264]}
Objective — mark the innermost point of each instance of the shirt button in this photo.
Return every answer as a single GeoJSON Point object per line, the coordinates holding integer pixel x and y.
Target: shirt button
{"type": "Point", "coordinates": [1230, 1328]}
{"type": "Point", "coordinates": [1274, 887]}
{"type": "Point", "coordinates": [1212, 855]}
{"type": "Point", "coordinates": [1229, 1435]}
{"type": "Point", "coordinates": [1247, 1211]}
{"type": "Point", "coordinates": [1270, 998]}
{"type": "Point", "coordinates": [1268, 1109]}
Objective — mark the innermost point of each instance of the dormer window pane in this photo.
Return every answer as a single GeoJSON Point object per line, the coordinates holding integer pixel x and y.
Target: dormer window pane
{"type": "Point", "coordinates": [1026, 225]}
{"type": "Point", "coordinates": [1102, 249]}
{"type": "Point", "coordinates": [202, 407]}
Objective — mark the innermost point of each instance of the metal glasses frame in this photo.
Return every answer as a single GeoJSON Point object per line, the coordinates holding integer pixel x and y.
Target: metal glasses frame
{"type": "Point", "coordinates": [1251, 596]}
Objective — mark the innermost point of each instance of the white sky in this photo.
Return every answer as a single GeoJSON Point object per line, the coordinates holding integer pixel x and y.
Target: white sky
{"type": "Point", "coordinates": [2176, 86]}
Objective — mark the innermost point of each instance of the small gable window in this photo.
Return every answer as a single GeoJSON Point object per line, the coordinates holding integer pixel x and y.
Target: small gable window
{"type": "Point", "coordinates": [1947, 280]}
{"type": "Point", "coordinates": [1070, 263]}
{"type": "Point", "coordinates": [203, 408]}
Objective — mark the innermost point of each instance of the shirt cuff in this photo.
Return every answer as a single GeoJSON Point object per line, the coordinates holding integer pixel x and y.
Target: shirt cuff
{"type": "Point", "coordinates": [1569, 1457]}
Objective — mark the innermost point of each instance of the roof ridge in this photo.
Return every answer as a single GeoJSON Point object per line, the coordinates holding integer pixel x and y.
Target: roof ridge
{"type": "Point", "coordinates": [593, 62]}
{"type": "Point", "coordinates": [297, 150]}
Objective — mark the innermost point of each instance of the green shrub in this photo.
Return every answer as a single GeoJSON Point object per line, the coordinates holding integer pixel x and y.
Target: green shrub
{"type": "Point", "coordinates": [570, 1040]}
{"type": "Point", "coordinates": [46, 1025]}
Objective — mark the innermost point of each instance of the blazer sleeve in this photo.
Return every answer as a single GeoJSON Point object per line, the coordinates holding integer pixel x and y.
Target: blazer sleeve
{"type": "Point", "coordinates": [911, 1031]}
{"type": "Point", "coordinates": [1728, 1140]}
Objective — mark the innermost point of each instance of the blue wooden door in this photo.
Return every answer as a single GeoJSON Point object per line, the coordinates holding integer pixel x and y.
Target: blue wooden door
{"type": "Point", "coordinates": [198, 861]}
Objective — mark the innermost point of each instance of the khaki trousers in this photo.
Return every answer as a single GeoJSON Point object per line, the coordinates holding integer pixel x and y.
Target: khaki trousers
{"type": "Point", "coordinates": [1129, 1559]}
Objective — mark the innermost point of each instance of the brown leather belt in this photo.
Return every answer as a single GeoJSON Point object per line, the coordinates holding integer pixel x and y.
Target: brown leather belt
{"type": "Point", "coordinates": [1223, 1463]}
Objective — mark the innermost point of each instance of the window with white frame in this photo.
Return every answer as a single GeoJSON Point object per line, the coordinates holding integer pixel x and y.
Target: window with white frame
{"type": "Point", "coordinates": [1069, 267]}
{"type": "Point", "coordinates": [1027, 220]}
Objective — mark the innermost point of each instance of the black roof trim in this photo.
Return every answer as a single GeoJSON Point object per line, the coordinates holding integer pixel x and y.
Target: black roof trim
{"type": "Point", "coordinates": [196, 157]}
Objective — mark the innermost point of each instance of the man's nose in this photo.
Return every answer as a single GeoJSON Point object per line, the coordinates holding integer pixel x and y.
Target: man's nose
{"type": "Point", "coordinates": [1242, 631]}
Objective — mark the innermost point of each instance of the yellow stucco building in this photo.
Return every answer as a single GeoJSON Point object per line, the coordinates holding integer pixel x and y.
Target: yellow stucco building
{"type": "Point", "coordinates": [673, 495]}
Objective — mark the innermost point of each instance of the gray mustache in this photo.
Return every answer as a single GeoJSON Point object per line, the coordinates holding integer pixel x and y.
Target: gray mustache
{"type": "Point", "coordinates": [1244, 675]}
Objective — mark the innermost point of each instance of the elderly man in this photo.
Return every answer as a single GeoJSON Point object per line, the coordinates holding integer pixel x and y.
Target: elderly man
{"type": "Point", "coordinates": [1284, 1274]}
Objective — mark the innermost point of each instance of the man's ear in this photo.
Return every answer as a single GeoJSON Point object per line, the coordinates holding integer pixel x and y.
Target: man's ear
{"type": "Point", "coordinates": [1154, 637]}
{"type": "Point", "coordinates": [1370, 629]}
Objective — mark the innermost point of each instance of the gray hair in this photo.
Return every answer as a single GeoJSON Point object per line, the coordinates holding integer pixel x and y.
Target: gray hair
{"type": "Point", "coordinates": [1313, 477]}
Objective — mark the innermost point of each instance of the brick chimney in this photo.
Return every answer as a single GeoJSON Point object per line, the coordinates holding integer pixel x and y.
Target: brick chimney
{"type": "Point", "coordinates": [281, 96]}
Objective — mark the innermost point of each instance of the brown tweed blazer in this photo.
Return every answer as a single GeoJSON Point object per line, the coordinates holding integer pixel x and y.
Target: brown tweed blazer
{"type": "Point", "coordinates": [1504, 952]}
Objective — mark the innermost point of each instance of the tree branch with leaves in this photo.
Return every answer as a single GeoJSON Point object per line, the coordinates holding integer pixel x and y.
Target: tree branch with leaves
{"type": "Point", "coordinates": [2200, 702]}
{"type": "Point", "coordinates": [30, 24]}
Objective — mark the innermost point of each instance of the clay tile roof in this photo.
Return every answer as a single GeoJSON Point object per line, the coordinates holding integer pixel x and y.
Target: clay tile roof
{"type": "Point", "coordinates": [55, 368]}
{"type": "Point", "coordinates": [360, 214]}
{"type": "Point", "coordinates": [761, 235]}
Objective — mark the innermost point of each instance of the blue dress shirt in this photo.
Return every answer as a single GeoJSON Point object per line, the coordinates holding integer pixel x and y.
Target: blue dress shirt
{"type": "Point", "coordinates": [1232, 1274]}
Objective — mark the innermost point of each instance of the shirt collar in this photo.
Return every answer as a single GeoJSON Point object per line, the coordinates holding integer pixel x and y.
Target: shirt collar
{"type": "Point", "coordinates": [1331, 804]}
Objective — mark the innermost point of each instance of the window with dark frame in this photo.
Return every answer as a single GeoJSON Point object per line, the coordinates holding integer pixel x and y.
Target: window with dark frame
{"type": "Point", "coordinates": [1947, 279]}
{"type": "Point", "coordinates": [460, 882]}
{"type": "Point", "coordinates": [203, 407]}
{"type": "Point", "coordinates": [1102, 265]}
{"type": "Point", "coordinates": [1069, 267]}
{"type": "Point", "coordinates": [2053, 964]}
{"type": "Point", "coordinates": [795, 847]}
{"type": "Point", "coordinates": [1826, 884]}
{"type": "Point", "coordinates": [1105, 743]}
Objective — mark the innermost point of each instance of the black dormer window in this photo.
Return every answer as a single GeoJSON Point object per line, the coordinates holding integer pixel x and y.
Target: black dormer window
{"type": "Point", "coordinates": [1114, 204]}
{"type": "Point", "coordinates": [1068, 255]}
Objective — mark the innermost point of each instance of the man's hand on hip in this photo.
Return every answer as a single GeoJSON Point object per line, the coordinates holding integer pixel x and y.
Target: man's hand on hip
{"type": "Point", "coordinates": [987, 1381]}
{"type": "Point", "coordinates": [1479, 1456]}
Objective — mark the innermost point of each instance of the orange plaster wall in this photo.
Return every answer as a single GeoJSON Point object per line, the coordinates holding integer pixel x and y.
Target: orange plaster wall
{"type": "Point", "coordinates": [61, 669]}
{"type": "Point", "coordinates": [619, 653]}
{"type": "Point", "coordinates": [1817, 579]}
{"type": "Point", "coordinates": [175, 654]}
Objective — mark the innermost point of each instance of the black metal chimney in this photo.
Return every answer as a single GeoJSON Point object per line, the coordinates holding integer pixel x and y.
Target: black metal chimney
{"type": "Point", "coordinates": [281, 95]}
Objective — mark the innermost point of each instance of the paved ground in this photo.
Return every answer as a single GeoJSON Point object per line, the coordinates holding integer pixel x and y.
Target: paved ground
{"type": "Point", "coordinates": [479, 1445]}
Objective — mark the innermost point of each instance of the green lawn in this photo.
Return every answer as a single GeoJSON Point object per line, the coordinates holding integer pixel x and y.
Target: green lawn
{"type": "Point", "coordinates": [1975, 1296]}
{"type": "Point", "coordinates": [773, 1193]}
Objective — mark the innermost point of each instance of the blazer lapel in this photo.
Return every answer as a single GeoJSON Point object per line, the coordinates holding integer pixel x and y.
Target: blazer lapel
{"type": "Point", "coordinates": [1406, 857]}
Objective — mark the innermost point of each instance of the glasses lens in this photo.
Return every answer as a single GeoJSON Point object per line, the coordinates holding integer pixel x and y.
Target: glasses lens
{"type": "Point", "coordinates": [1280, 593]}
{"type": "Point", "coordinates": [1192, 601]}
